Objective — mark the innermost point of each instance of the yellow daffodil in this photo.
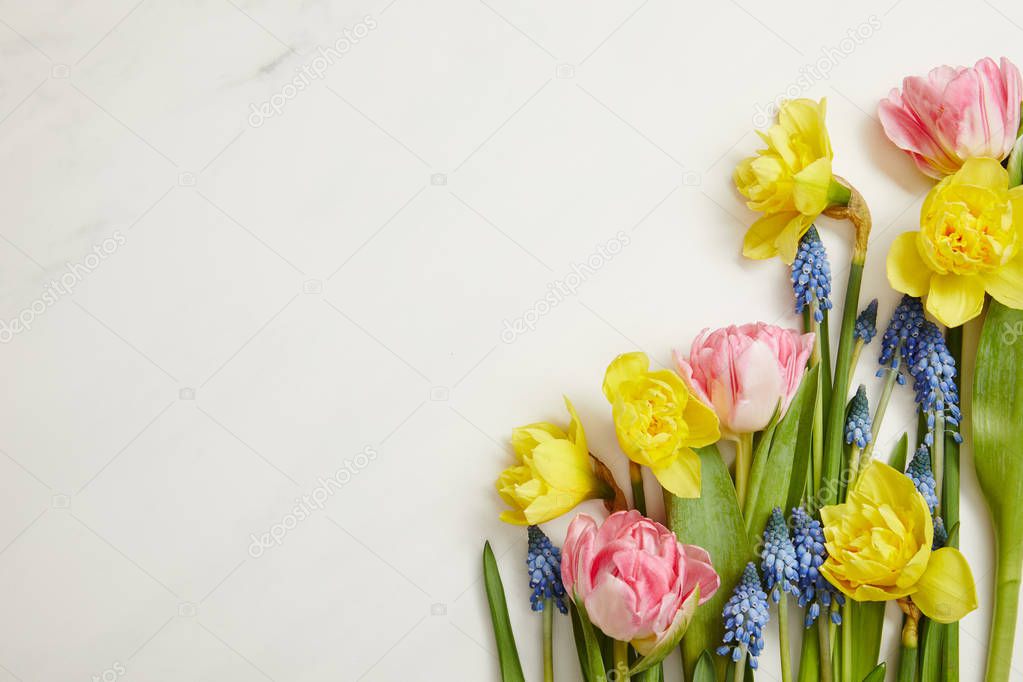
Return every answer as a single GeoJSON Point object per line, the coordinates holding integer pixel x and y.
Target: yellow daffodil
{"type": "Point", "coordinates": [879, 548]}
{"type": "Point", "coordinates": [971, 232]}
{"type": "Point", "coordinates": [659, 422]}
{"type": "Point", "coordinates": [554, 473]}
{"type": "Point", "coordinates": [790, 181]}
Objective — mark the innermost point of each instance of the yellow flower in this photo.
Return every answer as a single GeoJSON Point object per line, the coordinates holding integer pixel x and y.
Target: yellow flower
{"type": "Point", "coordinates": [879, 548]}
{"type": "Point", "coordinates": [968, 243]}
{"type": "Point", "coordinates": [658, 422]}
{"type": "Point", "coordinates": [789, 182]}
{"type": "Point", "coordinates": [554, 473]}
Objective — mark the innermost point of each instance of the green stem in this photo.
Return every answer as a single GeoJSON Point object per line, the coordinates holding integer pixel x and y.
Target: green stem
{"type": "Point", "coordinates": [638, 494]}
{"type": "Point", "coordinates": [836, 414]}
{"type": "Point", "coordinates": [907, 664]}
{"type": "Point", "coordinates": [847, 641]}
{"type": "Point", "coordinates": [938, 452]}
{"type": "Point", "coordinates": [857, 349]}
{"type": "Point", "coordinates": [548, 640]}
{"type": "Point", "coordinates": [740, 667]}
{"type": "Point", "coordinates": [890, 378]}
{"type": "Point", "coordinates": [950, 502]}
{"type": "Point", "coordinates": [1003, 623]}
{"type": "Point", "coordinates": [783, 638]}
{"type": "Point", "coordinates": [854, 465]}
{"type": "Point", "coordinates": [621, 658]}
{"type": "Point", "coordinates": [743, 464]}
{"type": "Point", "coordinates": [817, 437]}
{"type": "Point", "coordinates": [824, 635]}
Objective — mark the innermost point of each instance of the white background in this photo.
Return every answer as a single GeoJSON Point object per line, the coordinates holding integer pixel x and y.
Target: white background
{"type": "Point", "coordinates": [292, 291]}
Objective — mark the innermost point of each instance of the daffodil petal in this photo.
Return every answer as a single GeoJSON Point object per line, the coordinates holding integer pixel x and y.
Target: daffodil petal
{"type": "Point", "coordinates": [758, 243]}
{"type": "Point", "coordinates": [907, 271]}
{"type": "Point", "coordinates": [575, 427]}
{"type": "Point", "coordinates": [946, 592]}
{"type": "Point", "coordinates": [563, 466]}
{"type": "Point", "coordinates": [983, 172]}
{"type": "Point", "coordinates": [624, 367]}
{"type": "Point", "coordinates": [704, 428]}
{"type": "Point", "coordinates": [1006, 283]}
{"type": "Point", "coordinates": [525, 438]}
{"type": "Point", "coordinates": [954, 299]}
{"type": "Point", "coordinates": [810, 192]}
{"type": "Point", "coordinates": [681, 477]}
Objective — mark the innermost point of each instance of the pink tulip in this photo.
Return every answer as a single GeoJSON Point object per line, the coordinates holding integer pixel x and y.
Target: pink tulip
{"type": "Point", "coordinates": [955, 114]}
{"type": "Point", "coordinates": [745, 372]}
{"type": "Point", "coordinates": [635, 580]}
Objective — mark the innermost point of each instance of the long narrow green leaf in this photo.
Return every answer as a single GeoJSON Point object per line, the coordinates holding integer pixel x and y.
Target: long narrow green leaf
{"type": "Point", "coordinates": [998, 458]}
{"type": "Point", "coordinates": [704, 671]}
{"type": "Point", "coordinates": [508, 654]}
{"type": "Point", "coordinates": [950, 509]}
{"type": "Point", "coordinates": [876, 675]}
{"type": "Point", "coordinates": [594, 657]}
{"type": "Point", "coordinates": [908, 661]}
{"type": "Point", "coordinates": [932, 640]}
{"type": "Point", "coordinates": [810, 657]}
{"type": "Point", "coordinates": [713, 522]}
{"type": "Point", "coordinates": [900, 453]}
{"type": "Point", "coordinates": [772, 490]}
{"type": "Point", "coordinates": [869, 619]}
{"type": "Point", "coordinates": [580, 642]}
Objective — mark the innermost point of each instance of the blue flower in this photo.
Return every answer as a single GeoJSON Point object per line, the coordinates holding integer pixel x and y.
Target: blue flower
{"type": "Point", "coordinates": [778, 561]}
{"type": "Point", "coordinates": [745, 616]}
{"type": "Point", "coordinates": [899, 340]}
{"type": "Point", "coordinates": [866, 323]}
{"type": "Point", "coordinates": [544, 562]}
{"type": "Point", "coordinates": [940, 534]}
{"type": "Point", "coordinates": [815, 591]}
{"type": "Point", "coordinates": [857, 424]}
{"type": "Point", "coordinates": [920, 472]}
{"type": "Point", "coordinates": [934, 379]}
{"type": "Point", "coordinates": [811, 275]}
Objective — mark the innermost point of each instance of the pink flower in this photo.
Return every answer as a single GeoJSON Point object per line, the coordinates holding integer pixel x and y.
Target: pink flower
{"type": "Point", "coordinates": [744, 372]}
{"type": "Point", "coordinates": [955, 114]}
{"type": "Point", "coordinates": [635, 580]}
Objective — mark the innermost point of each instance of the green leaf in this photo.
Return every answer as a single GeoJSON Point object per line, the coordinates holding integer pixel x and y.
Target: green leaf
{"type": "Point", "coordinates": [511, 669]}
{"type": "Point", "coordinates": [772, 490]}
{"type": "Point", "coordinates": [900, 453]}
{"type": "Point", "coordinates": [1016, 164]}
{"type": "Point", "coordinates": [908, 659]}
{"type": "Point", "coordinates": [704, 671]}
{"type": "Point", "coordinates": [713, 522]}
{"type": "Point", "coordinates": [591, 643]}
{"type": "Point", "coordinates": [876, 675]}
{"type": "Point", "coordinates": [932, 641]}
{"type": "Point", "coordinates": [580, 641]}
{"type": "Point", "coordinates": [810, 656]}
{"type": "Point", "coordinates": [998, 458]}
{"type": "Point", "coordinates": [869, 619]}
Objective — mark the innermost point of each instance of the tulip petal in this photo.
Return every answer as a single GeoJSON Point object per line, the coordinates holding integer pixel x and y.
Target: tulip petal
{"type": "Point", "coordinates": [946, 592]}
{"type": "Point", "coordinates": [702, 422]}
{"type": "Point", "coordinates": [1006, 283]}
{"type": "Point", "coordinates": [623, 368]}
{"type": "Point", "coordinates": [954, 299]}
{"type": "Point", "coordinates": [611, 606]}
{"type": "Point", "coordinates": [682, 476]}
{"type": "Point", "coordinates": [907, 271]}
{"type": "Point", "coordinates": [654, 650]}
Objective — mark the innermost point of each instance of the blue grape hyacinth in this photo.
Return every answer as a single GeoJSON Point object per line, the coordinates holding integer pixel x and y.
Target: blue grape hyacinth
{"type": "Point", "coordinates": [778, 561]}
{"type": "Point", "coordinates": [544, 563]}
{"type": "Point", "coordinates": [745, 615]}
{"type": "Point", "coordinates": [922, 475]}
{"type": "Point", "coordinates": [865, 328]}
{"type": "Point", "coordinates": [934, 379]}
{"type": "Point", "coordinates": [940, 534]}
{"type": "Point", "coordinates": [857, 424]}
{"type": "Point", "coordinates": [811, 275]}
{"type": "Point", "coordinates": [815, 592]}
{"type": "Point", "coordinates": [898, 342]}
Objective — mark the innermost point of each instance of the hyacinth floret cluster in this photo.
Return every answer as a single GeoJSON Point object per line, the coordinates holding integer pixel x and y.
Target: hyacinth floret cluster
{"type": "Point", "coordinates": [544, 563]}
{"type": "Point", "coordinates": [934, 379]}
{"type": "Point", "coordinates": [778, 561]}
{"type": "Point", "coordinates": [811, 275]}
{"type": "Point", "coordinates": [900, 337]}
{"type": "Point", "coordinates": [815, 592]}
{"type": "Point", "coordinates": [922, 475]}
{"type": "Point", "coordinates": [865, 328]}
{"type": "Point", "coordinates": [745, 615]}
{"type": "Point", "coordinates": [858, 424]}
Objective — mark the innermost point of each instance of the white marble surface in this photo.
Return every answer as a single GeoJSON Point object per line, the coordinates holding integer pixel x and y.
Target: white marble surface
{"type": "Point", "coordinates": [257, 295]}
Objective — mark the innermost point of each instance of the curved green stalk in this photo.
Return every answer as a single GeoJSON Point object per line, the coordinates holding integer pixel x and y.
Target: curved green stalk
{"type": "Point", "coordinates": [743, 464]}
{"type": "Point", "coordinates": [548, 640]}
{"type": "Point", "coordinates": [783, 638]}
